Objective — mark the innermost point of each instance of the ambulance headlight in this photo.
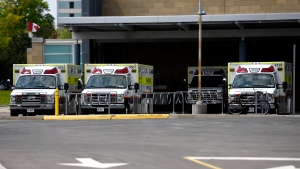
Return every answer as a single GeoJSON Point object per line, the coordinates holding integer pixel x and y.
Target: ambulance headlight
{"type": "Point", "coordinates": [13, 99]}
{"type": "Point", "coordinates": [230, 97]}
{"type": "Point", "coordinates": [270, 98]}
{"type": "Point", "coordinates": [50, 98]}
{"type": "Point", "coordinates": [219, 95]}
{"type": "Point", "coordinates": [120, 98]}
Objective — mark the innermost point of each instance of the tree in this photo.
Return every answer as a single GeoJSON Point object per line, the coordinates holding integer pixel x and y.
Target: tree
{"type": "Point", "coordinates": [14, 39]}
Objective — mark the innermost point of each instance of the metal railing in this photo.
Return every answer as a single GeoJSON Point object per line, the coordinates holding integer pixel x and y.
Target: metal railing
{"type": "Point", "coordinates": [141, 102]}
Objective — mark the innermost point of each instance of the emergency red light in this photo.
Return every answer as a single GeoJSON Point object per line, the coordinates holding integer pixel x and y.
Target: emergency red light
{"type": "Point", "coordinates": [122, 71]}
{"type": "Point", "coordinates": [89, 94]}
{"type": "Point", "coordinates": [269, 69]}
{"type": "Point", "coordinates": [112, 95]}
{"type": "Point", "coordinates": [26, 71]}
{"type": "Point", "coordinates": [97, 71]}
{"type": "Point", "coordinates": [43, 95]}
{"type": "Point", "coordinates": [51, 71]}
{"type": "Point", "coordinates": [241, 70]}
{"type": "Point", "coordinates": [219, 72]}
{"type": "Point", "coordinates": [196, 72]}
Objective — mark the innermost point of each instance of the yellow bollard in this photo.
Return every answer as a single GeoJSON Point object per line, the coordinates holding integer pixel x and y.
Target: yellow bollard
{"type": "Point", "coordinates": [56, 106]}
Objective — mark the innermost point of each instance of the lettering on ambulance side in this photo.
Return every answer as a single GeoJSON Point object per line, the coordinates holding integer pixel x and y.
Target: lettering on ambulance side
{"type": "Point", "coordinates": [278, 65]}
{"type": "Point", "coordinates": [60, 67]}
{"type": "Point", "coordinates": [148, 80]}
{"type": "Point", "coordinates": [131, 67]}
{"type": "Point", "coordinates": [150, 71]}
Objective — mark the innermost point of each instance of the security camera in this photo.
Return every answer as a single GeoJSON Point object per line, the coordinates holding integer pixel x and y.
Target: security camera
{"type": "Point", "coordinates": [71, 29]}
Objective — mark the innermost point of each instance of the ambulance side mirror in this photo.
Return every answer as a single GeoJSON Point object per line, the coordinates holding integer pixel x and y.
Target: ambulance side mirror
{"type": "Point", "coordinates": [8, 84]}
{"type": "Point", "coordinates": [66, 87]}
{"type": "Point", "coordinates": [224, 83]}
{"type": "Point", "coordinates": [136, 87]}
{"type": "Point", "coordinates": [79, 83]}
{"type": "Point", "coordinates": [284, 85]}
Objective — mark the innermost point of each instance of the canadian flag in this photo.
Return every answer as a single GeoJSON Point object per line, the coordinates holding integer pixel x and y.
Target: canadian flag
{"type": "Point", "coordinates": [33, 27]}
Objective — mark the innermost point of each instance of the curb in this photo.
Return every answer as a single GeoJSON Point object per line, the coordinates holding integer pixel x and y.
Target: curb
{"type": "Point", "coordinates": [107, 117]}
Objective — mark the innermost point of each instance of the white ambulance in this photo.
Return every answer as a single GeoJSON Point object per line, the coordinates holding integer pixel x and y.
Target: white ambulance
{"type": "Point", "coordinates": [260, 87]}
{"type": "Point", "coordinates": [34, 88]}
{"type": "Point", "coordinates": [213, 81]}
{"type": "Point", "coordinates": [109, 87]}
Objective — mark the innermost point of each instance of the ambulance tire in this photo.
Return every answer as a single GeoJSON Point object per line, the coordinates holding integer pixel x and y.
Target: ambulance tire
{"type": "Point", "coordinates": [14, 113]}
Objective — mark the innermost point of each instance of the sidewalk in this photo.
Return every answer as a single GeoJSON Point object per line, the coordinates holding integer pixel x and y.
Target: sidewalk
{"type": "Point", "coordinates": [4, 110]}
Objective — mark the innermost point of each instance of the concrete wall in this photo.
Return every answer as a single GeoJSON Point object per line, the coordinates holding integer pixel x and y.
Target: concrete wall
{"type": "Point", "coordinates": [190, 7]}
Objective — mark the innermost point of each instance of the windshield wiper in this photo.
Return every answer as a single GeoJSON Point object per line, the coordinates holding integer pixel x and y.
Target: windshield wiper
{"type": "Point", "coordinates": [259, 85]}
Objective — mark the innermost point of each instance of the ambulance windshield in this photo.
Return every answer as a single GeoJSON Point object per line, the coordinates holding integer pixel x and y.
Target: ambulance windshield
{"type": "Point", "coordinates": [253, 80]}
{"type": "Point", "coordinates": [208, 81]}
{"type": "Point", "coordinates": [36, 82]}
{"type": "Point", "coordinates": [107, 81]}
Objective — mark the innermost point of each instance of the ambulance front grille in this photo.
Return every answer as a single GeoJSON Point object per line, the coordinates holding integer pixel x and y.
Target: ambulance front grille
{"type": "Point", "coordinates": [207, 96]}
{"type": "Point", "coordinates": [102, 98]}
{"type": "Point", "coordinates": [29, 98]}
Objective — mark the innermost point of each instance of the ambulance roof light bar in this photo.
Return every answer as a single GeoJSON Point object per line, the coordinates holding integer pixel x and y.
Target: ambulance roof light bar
{"type": "Point", "coordinates": [219, 72]}
{"type": "Point", "coordinates": [241, 70]}
{"type": "Point", "coordinates": [97, 71]}
{"type": "Point", "coordinates": [196, 72]}
{"type": "Point", "coordinates": [122, 71]}
{"type": "Point", "coordinates": [269, 69]}
{"type": "Point", "coordinates": [51, 71]}
{"type": "Point", "coordinates": [26, 71]}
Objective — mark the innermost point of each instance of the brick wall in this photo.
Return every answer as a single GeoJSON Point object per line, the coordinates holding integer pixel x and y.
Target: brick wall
{"type": "Point", "coordinates": [190, 7]}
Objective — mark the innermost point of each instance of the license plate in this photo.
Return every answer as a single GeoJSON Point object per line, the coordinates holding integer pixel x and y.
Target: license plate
{"type": "Point", "coordinates": [100, 109]}
{"type": "Point", "coordinates": [30, 110]}
{"type": "Point", "coordinates": [251, 109]}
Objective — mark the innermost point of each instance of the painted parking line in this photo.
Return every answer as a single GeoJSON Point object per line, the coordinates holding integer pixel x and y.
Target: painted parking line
{"type": "Point", "coordinates": [246, 158]}
{"type": "Point", "coordinates": [202, 163]}
{"type": "Point", "coordinates": [197, 160]}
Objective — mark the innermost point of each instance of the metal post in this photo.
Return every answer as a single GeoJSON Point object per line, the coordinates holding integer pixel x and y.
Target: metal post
{"type": "Point", "coordinates": [56, 102]}
{"type": "Point", "coordinates": [294, 77]}
{"type": "Point", "coordinates": [199, 51]}
{"type": "Point", "coordinates": [255, 102]}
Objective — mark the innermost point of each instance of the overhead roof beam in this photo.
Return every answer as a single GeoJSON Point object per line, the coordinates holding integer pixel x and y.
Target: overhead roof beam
{"type": "Point", "coordinates": [127, 27]}
{"type": "Point", "coordinates": [183, 26]}
{"type": "Point", "coordinates": [240, 25]}
{"type": "Point", "coordinates": [231, 33]}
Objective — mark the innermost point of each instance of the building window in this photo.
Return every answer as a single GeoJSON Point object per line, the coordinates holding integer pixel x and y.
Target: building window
{"type": "Point", "coordinates": [63, 5]}
{"type": "Point", "coordinates": [71, 15]}
{"type": "Point", "coordinates": [63, 15]}
{"type": "Point", "coordinates": [58, 54]}
{"type": "Point", "coordinates": [72, 5]}
{"type": "Point", "coordinates": [77, 5]}
{"type": "Point", "coordinates": [77, 15]}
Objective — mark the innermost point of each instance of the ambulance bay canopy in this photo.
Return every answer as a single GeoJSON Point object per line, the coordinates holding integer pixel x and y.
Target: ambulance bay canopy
{"type": "Point", "coordinates": [182, 27]}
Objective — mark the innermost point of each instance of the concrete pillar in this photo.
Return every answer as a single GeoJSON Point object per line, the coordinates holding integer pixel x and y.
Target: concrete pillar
{"type": "Point", "coordinates": [199, 108]}
{"type": "Point", "coordinates": [76, 54]}
{"type": "Point", "coordinates": [242, 51]}
{"type": "Point", "coordinates": [36, 54]}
